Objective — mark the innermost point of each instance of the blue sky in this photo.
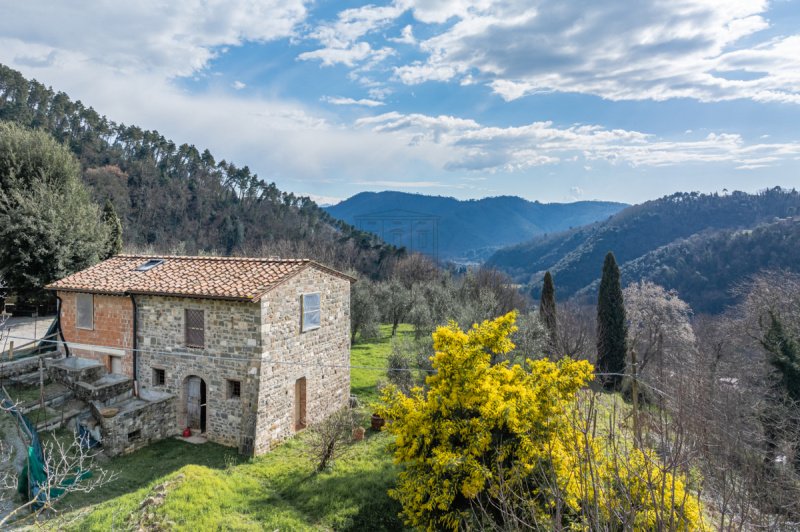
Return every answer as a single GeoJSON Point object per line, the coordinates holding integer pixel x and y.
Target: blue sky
{"type": "Point", "coordinates": [552, 101]}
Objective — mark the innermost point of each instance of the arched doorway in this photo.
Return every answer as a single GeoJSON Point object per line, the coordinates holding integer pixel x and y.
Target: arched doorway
{"type": "Point", "coordinates": [195, 394]}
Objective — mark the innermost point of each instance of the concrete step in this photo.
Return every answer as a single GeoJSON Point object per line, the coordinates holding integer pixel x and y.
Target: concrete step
{"type": "Point", "coordinates": [26, 379]}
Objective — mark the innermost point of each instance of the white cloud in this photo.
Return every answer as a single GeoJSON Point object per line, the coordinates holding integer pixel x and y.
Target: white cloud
{"type": "Point", "coordinates": [238, 85]}
{"type": "Point", "coordinates": [615, 49]}
{"type": "Point", "coordinates": [338, 100]}
{"type": "Point", "coordinates": [324, 200]}
{"type": "Point", "coordinates": [406, 36]}
{"type": "Point", "coordinates": [340, 39]}
{"type": "Point", "coordinates": [164, 39]}
{"type": "Point", "coordinates": [403, 184]}
{"type": "Point", "coordinates": [347, 56]}
{"type": "Point", "coordinates": [462, 144]}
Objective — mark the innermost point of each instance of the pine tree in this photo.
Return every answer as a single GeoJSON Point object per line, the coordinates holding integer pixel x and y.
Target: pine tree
{"type": "Point", "coordinates": [112, 221]}
{"type": "Point", "coordinates": [611, 327]}
{"type": "Point", "coordinates": [547, 308]}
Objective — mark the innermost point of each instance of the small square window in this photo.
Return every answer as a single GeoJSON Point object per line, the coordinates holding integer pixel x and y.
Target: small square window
{"type": "Point", "coordinates": [84, 311]}
{"type": "Point", "coordinates": [234, 389]}
{"type": "Point", "coordinates": [159, 377]}
{"type": "Point", "coordinates": [135, 435]}
{"type": "Point", "coordinates": [311, 311]}
{"type": "Point", "coordinates": [195, 328]}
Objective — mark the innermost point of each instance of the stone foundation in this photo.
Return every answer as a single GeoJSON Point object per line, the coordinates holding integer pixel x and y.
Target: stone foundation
{"type": "Point", "coordinates": [139, 422]}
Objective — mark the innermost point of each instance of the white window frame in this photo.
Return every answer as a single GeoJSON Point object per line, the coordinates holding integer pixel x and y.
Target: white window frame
{"type": "Point", "coordinates": [79, 323]}
{"type": "Point", "coordinates": [308, 309]}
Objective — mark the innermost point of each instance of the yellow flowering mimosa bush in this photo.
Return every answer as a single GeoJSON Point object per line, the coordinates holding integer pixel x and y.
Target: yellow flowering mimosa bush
{"type": "Point", "coordinates": [497, 444]}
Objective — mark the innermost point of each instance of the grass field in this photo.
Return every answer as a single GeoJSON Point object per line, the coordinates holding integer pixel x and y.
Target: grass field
{"type": "Point", "coordinates": [373, 354]}
{"type": "Point", "coordinates": [178, 486]}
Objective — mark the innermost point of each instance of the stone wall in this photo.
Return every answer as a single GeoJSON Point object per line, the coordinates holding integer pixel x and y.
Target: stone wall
{"type": "Point", "coordinates": [231, 352]}
{"type": "Point", "coordinates": [21, 366]}
{"type": "Point", "coordinates": [290, 354]}
{"type": "Point", "coordinates": [69, 371]}
{"type": "Point", "coordinates": [137, 424]}
{"type": "Point", "coordinates": [107, 389]}
{"type": "Point", "coordinates": [113, 328]}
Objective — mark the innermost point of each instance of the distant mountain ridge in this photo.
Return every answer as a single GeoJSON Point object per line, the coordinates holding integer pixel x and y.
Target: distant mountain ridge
{"type": "Point", "coordinates": [471, 230]}
{"type": "Point", "coordinates": [701, 245]}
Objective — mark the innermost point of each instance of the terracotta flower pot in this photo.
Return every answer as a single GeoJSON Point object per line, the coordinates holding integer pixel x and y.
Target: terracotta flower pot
{"type": "Point", "coordinates": [377, 422]}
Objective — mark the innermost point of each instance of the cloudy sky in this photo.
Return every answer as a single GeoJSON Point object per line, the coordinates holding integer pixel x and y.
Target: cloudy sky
{"type": "Point", "coordinates": [549, 100]}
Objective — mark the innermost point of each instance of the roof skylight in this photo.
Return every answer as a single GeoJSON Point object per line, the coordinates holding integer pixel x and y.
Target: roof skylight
{"type": "Point", "coordinates": [149, 265]}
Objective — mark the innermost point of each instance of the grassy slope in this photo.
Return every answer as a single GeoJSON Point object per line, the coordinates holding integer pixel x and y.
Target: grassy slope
{"type": "Point", "coordinates": [209, 487]}
{"type": "Point", "coordinates": [373, 354]}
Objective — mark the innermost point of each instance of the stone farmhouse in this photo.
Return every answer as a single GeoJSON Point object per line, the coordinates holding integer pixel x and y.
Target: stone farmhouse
{"type": "Point", "coordinates": [246, 351]}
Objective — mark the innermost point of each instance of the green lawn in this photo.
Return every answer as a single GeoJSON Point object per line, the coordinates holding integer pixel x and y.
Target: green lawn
{"type": "Point", "coordinates": [176, 485]}
{"type": "Point", "coordinates": [277, 491]}
{"type": "Point", "coordinates": [23, 394]}
{"type": "Point", "coordinates": [373, 354]}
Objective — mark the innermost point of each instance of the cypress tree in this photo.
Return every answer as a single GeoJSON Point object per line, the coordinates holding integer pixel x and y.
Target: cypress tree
{"type": "Point", "coordinates": [784, 356]}
{"type": "Point", "coordinates": [611, 327]}
{"type": "Point", "coordinates": [547, 307]}
{"type": "Point", "coordinates": [112, 221]}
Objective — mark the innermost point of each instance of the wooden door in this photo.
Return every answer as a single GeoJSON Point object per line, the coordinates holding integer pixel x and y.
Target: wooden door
{"type": "Point", "coordinates": [300, 404]}
{"type": "Point", "coordinates": [193, 403]}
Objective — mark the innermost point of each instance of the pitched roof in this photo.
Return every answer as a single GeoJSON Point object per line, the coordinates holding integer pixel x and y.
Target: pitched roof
{"type": "Point", "coordinates": [238, 279]}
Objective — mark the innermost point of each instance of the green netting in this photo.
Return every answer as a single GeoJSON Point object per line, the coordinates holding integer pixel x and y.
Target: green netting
{"type": "Point", "coordinates": [33, 477]}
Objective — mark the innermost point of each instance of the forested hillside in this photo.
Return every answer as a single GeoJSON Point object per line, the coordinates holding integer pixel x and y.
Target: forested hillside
{"type": "Point", "coordinates": [179, 198]}
{"type": "Point", "coordinates": [472, 230]}
{"type": "Point", "coordinates": [701, 245]}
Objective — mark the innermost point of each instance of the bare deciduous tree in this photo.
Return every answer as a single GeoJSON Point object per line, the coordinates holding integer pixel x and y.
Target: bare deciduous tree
{"type": "Point", "coordinates": [327, 436]}
{"type": "Point", "coordinates": [70, 467]}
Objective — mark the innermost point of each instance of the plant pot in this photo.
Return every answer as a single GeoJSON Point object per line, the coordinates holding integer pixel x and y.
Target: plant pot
{"type": "Point", "coordinates": [377, 422]}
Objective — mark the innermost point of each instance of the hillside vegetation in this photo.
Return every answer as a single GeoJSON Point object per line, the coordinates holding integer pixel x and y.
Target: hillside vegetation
{"type": "Point", "coordinates": [701, 245]}
{"type": "Point", "coordinates": [471, 230]}
{"type": "Point", "coordinates": [177, 197]}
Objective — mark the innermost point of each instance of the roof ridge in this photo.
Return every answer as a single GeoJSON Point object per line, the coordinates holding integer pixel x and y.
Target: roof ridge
{"type": "Point", "coordinates": [209, 257]}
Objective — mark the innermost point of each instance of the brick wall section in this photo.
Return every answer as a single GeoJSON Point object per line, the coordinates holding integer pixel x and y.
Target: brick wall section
{"type": "Point", "coordinates": [232, 350]}
{"type": "Point", "coordinates": [113, 327]}
{"type": "Point", "coordinates": [327, 388]}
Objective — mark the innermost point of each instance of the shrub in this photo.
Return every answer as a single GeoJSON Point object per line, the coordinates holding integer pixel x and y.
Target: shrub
{"type": "Point", "coordinates": [498, 446]}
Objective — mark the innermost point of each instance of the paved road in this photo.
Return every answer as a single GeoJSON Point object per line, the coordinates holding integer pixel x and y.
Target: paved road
{"type": "Point", "coordinates": [23, 327]}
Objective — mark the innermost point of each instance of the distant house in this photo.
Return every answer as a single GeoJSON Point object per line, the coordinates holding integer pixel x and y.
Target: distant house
{"type": "Point", "coordinates": [251, 349]}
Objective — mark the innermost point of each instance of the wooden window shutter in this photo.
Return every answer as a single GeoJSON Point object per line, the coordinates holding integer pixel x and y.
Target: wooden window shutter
{"type": "Point", "coordinates": [195, 328]}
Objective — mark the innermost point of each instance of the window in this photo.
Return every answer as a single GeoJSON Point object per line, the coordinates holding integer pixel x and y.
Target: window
{"type": "Point", "coordinates": [311, 312]}
{"type": "Point", "coordinates": [84, 305]}
{"type": "Point", "coordinates": [135, 435]}
{"type": "Point", "coordinates": [234, 389]}
{"type": "Point", "coordinates": [149, 265]}
{"type": "Point", "coordinates": [159, 377]}
{"type": "Point", "coordinates": [195, 328]}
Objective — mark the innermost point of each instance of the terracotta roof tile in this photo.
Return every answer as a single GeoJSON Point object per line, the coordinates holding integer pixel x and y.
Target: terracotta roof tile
{"type": "Point", "coordinates": [243, 279]}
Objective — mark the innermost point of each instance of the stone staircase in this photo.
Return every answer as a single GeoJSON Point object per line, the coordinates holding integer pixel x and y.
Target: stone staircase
{"type": "Point", "coordinates": [109, 411]}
